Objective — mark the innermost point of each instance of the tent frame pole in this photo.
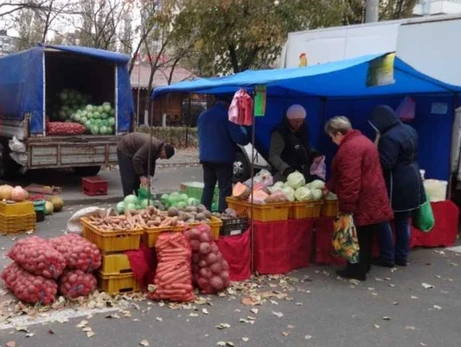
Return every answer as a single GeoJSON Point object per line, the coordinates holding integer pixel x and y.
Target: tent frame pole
{"type": "Point", "coordinates": [252, 173]}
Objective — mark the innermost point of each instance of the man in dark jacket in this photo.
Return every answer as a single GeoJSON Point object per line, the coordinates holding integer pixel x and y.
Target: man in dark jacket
{"type": "Point", "coordinates": [398, 149]}
{"type": "Point", "coordinates": [218, 139]}
{"type": "Point", "coordinates": [290, 149]}
{"type": "Point", "coordinates": [133, 159]}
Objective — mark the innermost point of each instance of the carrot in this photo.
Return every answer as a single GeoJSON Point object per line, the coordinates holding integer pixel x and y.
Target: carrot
{"type": "Point", "coordinates": [171, 291]}
{"type": "Point", "coordinates": [177, 277]}
{"type": "Point", "coordinates": [173, 274]}
{"type": "Point", "coordinates": [181, 286]}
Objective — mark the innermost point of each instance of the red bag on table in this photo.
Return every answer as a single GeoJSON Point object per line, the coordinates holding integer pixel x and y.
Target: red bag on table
{"type": "Point", "coordinates": [209, 268]}
{"type": "Point", "coordinates": [173, 278]}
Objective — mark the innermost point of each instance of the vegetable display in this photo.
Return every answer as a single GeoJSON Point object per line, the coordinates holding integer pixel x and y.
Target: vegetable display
{"type": "Point", "coordinates": [209, 269]}
{"type": "Point", "coordinates": [79, 253]}
{"type": "Point", "coordinates": [179, 200]}
{"type": "Point", "coordinates": [76, 107]}
{"type": "Point", "coordinates": [28, 287]}
{"type": "Point", "coordinates": [38, 256]}
{"type": "Point", "coordinates": [75, 283]}
{"type": "Point", "coordinates": [173, 279]}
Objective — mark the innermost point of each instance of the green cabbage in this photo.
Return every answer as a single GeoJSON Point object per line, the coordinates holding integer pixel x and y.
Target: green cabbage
{"type": "Point", "coordinates": [193, 202]}
{"type": "Point", "coordinates": [316, 194]}
{"type": "Point", "coordinates": [130, 199]}
{"type": "Point", "coordinates": [278, 185]}
{"type": "Point", "coordinates": [303, 194]}
{"type": "Point", "coordinates": [130, 207]}
{"type": "Point", "coordinates": [289, 193]}
{"type": "Point", "coordinates": [317, 184]}
{"type": "Point", "coordinates": [331, 196]}
{"type": "Point", "coordinates": [120, 208]}
{"type": "Point", "coordinates": [296, 180]}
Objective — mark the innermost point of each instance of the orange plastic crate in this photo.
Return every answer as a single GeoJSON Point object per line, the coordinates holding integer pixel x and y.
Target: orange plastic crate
{"type": "Point", "coordinates": [150, 236]}
{"type": "Point", "coordinates": [215, 225]}
{"type": "Point", "coordinates": [18, 223]}
{"type": "Point", "coordinates": [118, 284]}
{"type": "Point", "coordinates": [112, 241]}
{"type": "Point", "coordinates": [305, 209]}
{"type": "Point", "coordinates": [115, 264]}
{"type": "Point", "coordinates": [330, 208]}
{"type": "Point", "coordinates": [262, 213]}
{"type": "Point", "coordinates": [11, 208]}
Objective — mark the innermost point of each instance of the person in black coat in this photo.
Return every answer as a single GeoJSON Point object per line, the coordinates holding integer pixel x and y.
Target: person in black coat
{"type": "Point", "coordinates": [290, 148]}
{"type": "Point", "coordinates": [398, 149]}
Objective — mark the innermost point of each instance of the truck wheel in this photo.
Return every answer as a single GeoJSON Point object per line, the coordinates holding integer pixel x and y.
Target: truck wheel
{"type": "Point", "coordinates": [85, 171]}
{"type": "Point", "coordinates": [241, 168]}
{"type": "Point", "coordinates": [8, 167]}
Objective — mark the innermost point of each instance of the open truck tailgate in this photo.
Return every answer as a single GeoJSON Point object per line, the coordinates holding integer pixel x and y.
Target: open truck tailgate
{"type": "Point", "coordinates": [71, 151]}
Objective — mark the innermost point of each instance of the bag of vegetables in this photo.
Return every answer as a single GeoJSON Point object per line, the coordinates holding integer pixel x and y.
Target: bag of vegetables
{"type": "Point", "coordinates": [78, 252]}
{"type": "Point", "coordinates": [75, 283]}
{"type": "Point", "coordinates": [27, 287]}
{"type": "Point", "coordinates": [173, 279]}
{"type": "Point", "coordinates": [38, 256]}
{"type": "Point", "coordinates": [210, 270]}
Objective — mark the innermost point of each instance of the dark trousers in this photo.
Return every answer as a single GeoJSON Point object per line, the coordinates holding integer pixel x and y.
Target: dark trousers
{"type": "Point", "coordinates": [399, 252]}
{"type": "Point", "coordinates": [365, 237]}
{"type": "Point", "coordinates": [130, 181]}
{"type": "Point", "coordinates": [221, 173]}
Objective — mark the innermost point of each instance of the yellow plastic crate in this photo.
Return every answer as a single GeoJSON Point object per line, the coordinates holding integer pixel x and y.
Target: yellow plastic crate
{"type": "Point", "coordinates": [10, 208]}
{"type": "Point", "coordinates": [112, 241]}
{"type": "Point", "coordinates": [305, 210]}
{"type": "Point", "coordinates": [150, 236]}
{"type": "Point", "coordinates": [262, 213]}
{"type": "Point", "coordinates": [215, 226]}
{"type": "Point", "coordinates": [17, 224]}
{"type": "Point", "coordinates": [118, 284]}
{"type": "Point", "coordinates": [330, 208]}
{"type": "Point", "coordinates": [115, 264]}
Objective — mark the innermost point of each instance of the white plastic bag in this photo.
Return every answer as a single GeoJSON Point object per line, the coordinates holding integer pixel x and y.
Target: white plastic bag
{"type": "Point", "coordinates": [74, 225]}
{"type": "Point", "coordinates": [318, 168]}
{"type": "Point", "coordinates": [16, 145]}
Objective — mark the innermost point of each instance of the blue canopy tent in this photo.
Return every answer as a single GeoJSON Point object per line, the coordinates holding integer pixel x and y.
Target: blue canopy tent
{"type": "Point", "coordinates": [341, 87]}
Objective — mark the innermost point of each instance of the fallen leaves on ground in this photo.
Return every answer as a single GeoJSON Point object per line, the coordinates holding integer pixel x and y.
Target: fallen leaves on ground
{"type": "Point", "coordinates": [427, 286]}
{"type": "Point", "coordinates": [144, 343]}
{"type": "Point", "coordinates": [278, 314]}
{"type": "Point", "coordinates": [222, 326]}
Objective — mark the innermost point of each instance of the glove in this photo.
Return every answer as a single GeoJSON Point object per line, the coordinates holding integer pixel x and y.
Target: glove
{"type": "Point", "coordinates": [288, 172]}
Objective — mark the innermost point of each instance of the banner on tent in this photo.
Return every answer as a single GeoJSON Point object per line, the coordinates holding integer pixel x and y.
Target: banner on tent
{"type": "Point", "coordinates": [381, 71]}
{"type": "Point", "coordinates": [260, 101]}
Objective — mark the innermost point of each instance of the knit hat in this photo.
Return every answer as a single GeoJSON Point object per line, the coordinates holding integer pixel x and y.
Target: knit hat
{"type": "Point", "coordinates": [169, 151]}
{"type": "Point", "coordinates": [296, 112]}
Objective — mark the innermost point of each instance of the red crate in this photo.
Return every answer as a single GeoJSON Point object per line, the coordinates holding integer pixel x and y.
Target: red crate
{"type": "Point", "coordinates": [94, 186]}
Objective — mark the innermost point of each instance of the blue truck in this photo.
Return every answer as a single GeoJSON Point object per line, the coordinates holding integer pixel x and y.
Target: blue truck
{"type": "Point", "coordinates": [34, 82]}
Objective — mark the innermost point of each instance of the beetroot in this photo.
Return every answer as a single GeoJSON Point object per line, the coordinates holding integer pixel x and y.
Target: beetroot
{"type": "Point", "coordinates": [38, 256]}
{"type": "Point", "coordinates": [28, 287]}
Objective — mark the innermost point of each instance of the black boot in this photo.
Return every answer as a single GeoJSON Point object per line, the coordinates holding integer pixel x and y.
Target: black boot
{"type": "Point", "coordinates": [351, 275]}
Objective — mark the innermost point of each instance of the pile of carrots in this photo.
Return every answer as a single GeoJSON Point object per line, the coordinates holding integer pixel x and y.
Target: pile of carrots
{"type": "Point", "coordinates": [146, 218]}
{"type": "Point", "coordinates": [173, 277]}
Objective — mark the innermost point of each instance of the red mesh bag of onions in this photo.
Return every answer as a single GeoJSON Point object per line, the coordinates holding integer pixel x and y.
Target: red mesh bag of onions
{"type": "Point", "coordinates": [210, 270]}
{"type": "Point", "coordinates": [173, 278]}
{"type": "Point", "coordinates": [38, 256]}
{"type": "Point", "coordinates": [79, 253]}
{"type": "Point", "coordinates": [27, 287]}
{"type": "Point", "coordinates": [75, 283]}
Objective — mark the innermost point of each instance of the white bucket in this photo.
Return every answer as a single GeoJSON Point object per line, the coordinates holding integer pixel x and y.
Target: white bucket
{"type": "Point", "coordinates": [436, 190]}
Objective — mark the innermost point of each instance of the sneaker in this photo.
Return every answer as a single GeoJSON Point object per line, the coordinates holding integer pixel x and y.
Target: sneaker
{"type": "Point", "coordinates": [346, 274]}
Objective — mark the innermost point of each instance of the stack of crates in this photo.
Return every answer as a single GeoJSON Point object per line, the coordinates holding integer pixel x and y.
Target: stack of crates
{"type": "Point", "coordinates": [16, 217]}
{"type": "Point", "coordinates": [115, 275]}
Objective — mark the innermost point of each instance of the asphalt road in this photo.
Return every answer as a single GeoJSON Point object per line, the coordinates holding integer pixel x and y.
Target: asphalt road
{"type": "Point", "coordinates": [393, 308]}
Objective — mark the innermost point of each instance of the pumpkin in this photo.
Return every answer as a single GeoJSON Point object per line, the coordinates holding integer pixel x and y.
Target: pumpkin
{"type": "Point", "coordinates": [5, 192]}
{"type": "Point", "coordinates": [57, 203]}
{"type": "Point", "coordinates": [19, 194]}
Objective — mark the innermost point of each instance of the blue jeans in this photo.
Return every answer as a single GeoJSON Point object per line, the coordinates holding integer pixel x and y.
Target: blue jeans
{"type": "Point", "coordinates": [399, 252]}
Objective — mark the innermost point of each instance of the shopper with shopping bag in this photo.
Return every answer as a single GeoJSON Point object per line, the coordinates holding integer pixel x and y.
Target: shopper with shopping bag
{"type": "Point", "coordinates": [398, 148]}
{"type": "Point", "coordinates": [358, 182]}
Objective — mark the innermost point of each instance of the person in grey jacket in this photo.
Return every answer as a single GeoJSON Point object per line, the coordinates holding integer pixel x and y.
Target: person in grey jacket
{"type": "Point", "coordinates": [133, 159]}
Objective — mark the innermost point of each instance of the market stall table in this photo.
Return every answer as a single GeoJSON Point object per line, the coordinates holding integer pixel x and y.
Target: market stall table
{"type": "Point", "coordinates": [280, 247]}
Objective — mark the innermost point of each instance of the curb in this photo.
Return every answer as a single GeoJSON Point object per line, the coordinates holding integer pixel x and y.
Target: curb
{"type": "Point", "coordinates": [89, 201]}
